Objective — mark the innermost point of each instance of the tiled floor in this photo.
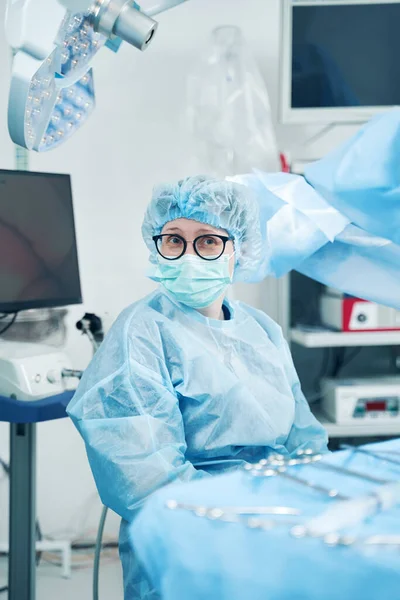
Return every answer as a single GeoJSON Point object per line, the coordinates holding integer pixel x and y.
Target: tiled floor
{"type": "Point", "coordinates": [51, 586]}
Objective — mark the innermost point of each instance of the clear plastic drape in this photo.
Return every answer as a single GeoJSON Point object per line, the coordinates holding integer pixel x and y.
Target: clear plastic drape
{"type": "Point", "coordinates": [228, 108]}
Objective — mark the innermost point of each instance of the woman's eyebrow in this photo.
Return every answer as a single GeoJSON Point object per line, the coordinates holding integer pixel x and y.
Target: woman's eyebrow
{"type": "Point", "coordinates": [207, 232]}
{"type": "Point", "coordinates": [198, 231]}
{"type": "Point", "coordinates": [173, 229]}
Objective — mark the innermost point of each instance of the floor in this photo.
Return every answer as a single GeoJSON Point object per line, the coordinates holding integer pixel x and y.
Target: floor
{"type": "Point", "coordinates": [51, 585]}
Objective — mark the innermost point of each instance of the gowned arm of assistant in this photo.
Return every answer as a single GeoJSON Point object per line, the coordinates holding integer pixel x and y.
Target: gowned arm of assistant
{"type": "Point", "coordinates": [134, 436]}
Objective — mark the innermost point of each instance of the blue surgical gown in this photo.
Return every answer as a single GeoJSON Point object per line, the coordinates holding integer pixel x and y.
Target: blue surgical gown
{"type": "Point", "coordinates": [172, 395]}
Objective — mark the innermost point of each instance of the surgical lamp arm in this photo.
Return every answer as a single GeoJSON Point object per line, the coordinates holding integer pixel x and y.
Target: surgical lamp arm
{"type": "Point", "coordinates": [150, 8]}
{"type": "Point", "coordinates": [32, 25]}
{"type": "Point", "coordinates": [158, 6]}
{"type": "Point", "coordinates": [121, 18]}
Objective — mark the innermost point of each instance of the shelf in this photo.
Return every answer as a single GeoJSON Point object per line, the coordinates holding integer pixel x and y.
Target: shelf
{"type": "Point", "coordinates": [324, 338]}
{"type": "Point", "coordinates": [358, 429]}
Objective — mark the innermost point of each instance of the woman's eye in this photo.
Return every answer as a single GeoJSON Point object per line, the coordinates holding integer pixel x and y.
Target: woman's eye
{"type": "Point", "coordinates": [174, 240]}
{"type": "Point", "coordinates": [209, 241]}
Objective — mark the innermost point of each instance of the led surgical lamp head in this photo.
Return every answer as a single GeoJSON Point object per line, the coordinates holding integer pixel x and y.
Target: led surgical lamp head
{"type": "Point", "coordinates": [54, 43]}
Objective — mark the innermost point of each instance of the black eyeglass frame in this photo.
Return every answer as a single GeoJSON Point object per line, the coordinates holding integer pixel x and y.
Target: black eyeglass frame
{"type": "Point", "coordinates": [225, 239]}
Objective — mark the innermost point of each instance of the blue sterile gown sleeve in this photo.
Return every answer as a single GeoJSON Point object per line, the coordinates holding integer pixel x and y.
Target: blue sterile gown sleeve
{"type": "Point", "coordinates": [339, 224]}
{"type": "Point", "coordinates": [127, 411]}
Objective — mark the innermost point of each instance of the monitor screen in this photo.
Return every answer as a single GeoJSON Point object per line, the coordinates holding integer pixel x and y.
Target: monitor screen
{"type": "Point", "coordinates": [345, 55]}
{"type": "Point", "coordinates": [38, 253]}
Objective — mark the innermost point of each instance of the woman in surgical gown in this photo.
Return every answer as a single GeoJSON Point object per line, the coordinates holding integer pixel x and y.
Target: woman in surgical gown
{"type": "Point", "coordinates": [188, 384]}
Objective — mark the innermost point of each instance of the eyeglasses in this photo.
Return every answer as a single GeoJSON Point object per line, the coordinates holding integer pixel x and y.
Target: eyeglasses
{"type": "Point", "coordinates": [209, 247]}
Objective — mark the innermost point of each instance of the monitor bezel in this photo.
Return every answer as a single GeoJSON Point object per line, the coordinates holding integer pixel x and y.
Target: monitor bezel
{"type": "Point", "coordinates": [18, 306]}
{"type": "Point", "coordinates": [322, 116]}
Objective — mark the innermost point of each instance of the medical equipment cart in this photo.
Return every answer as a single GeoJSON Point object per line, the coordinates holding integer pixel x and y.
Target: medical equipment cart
{"type": "Point", "coordinates": [22, 417]}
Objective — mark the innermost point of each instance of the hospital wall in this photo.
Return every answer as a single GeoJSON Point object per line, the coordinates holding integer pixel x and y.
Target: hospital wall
{"type": "Point", "coordinates": [135, 138]}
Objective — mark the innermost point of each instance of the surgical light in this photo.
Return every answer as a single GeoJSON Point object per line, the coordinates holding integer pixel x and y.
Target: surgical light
{"type": "Point", "coordinates": [54, 42]}
{"type": "Point", "coordinates": [50, 99]}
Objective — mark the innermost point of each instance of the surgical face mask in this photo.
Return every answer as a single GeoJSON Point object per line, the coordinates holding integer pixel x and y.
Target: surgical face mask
{"type": "Point", "coordinates": [192, 280]}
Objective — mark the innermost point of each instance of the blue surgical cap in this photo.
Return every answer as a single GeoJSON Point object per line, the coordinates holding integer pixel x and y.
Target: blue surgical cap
{"type": "Point", "coordinates": [219, 203]}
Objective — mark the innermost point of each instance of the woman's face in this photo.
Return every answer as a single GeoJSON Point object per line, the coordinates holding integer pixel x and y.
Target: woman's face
{"type": "Point", "coordinates": [190, 230]}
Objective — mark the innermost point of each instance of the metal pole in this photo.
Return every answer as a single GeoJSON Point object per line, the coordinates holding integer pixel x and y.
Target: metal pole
{"type": "Point", "coordinates": [22, 534]}
{"type": "Point", "coordinates": [22, 541]}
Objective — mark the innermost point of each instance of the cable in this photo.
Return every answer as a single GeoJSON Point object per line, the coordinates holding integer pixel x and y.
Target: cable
{"type": "Point", "coordinates": [342, 361]}
{"type": "Point", "coordinates": [324, 370]}
{"type": "Point", "coordinates": [96, 564]}
{"type": "Point", "coordinates": [339, 360]}
{"type": "Point", "coordinates": [39, 537]}
{"type": "Point", "coordinates": [351, 357]}
{"type": "Point", "coordinates": [339, 363]}
{"type": "Point", "coordinates": [92, 546]}
{"type": "Point", "coordinates": [6, 470]}
{"type": "Point", "coordinates": [5, 466]}
{"type": "Point", "coordinates": [10, 324]}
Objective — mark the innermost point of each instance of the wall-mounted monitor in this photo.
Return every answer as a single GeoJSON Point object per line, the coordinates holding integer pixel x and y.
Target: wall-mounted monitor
{"type": "Point", "coordinates": [339, 60]}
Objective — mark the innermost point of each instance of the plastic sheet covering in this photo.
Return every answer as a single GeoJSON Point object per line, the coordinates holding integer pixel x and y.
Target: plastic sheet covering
{"type": "Point", "coordinates": [228, 109]}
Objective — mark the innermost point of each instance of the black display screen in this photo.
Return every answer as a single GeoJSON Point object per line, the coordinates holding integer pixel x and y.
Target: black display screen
{"type": "Point", "coordinates": [346, 55]}
{"type": "Point", "coordinates": [38, 253]}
